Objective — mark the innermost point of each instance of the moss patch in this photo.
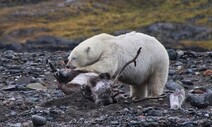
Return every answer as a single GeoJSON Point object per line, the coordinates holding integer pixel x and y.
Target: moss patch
{"type": "Point", "coordinates": [86, 18]}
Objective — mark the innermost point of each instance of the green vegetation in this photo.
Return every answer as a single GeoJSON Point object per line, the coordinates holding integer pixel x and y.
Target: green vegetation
{"type": "Point", "coordinates": [85, 18]}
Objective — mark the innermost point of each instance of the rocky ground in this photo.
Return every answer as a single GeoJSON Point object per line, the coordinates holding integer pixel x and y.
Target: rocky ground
{"type": "Point", "coordinates": [29, 94]}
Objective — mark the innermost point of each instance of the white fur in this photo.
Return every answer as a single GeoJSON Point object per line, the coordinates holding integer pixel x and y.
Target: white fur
{"type": "Point", "coordinates": [83, 78]}
{"type": "Point", "coordinates": [109, 53]}
{"type": "Point", "coordinates": [102, 84]}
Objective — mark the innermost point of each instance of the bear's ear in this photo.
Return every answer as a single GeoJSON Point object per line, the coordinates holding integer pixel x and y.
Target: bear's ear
{"type": "Point", "coordinates": [87, 49]}
{"type": "Point", "coordinates": [104, 76]}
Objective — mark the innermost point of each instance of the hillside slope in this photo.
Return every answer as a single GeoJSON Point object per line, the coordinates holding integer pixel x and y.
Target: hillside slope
{"type": "Point", "coordinates": [74, 19]}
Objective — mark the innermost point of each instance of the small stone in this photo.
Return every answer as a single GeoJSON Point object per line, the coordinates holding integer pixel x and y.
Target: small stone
{"type": "Point", "coordinates": [208, 97]}
{"type": "Point", "coordinates": [206, 115]}
{"type": "Point", "coordinates": [139, 107]}
{"type": "Point", "coordinates": [194, 54]}
{"type": "Point", "coordinates": [145, 110]}
{"type": "Point", "coordinates": [174, 118]}
{"type": "Point", "coordinates": [187, 82]}
{"type": "Point", "coordinates": [126, 110]}
{"type": "Point", "coordinates": [210, 54]}
{"type": "Point", "coordinates": [197, 73]}
{"type": "Point", "coordinates": [179, 67]}
{"type": "Point", "coordinates": [133, 122]}
{"type": "Point", "coordinates": [12, 99]}
{"type": "Point", "coordinates": [155, 113]}
{"type": "Point", "coordinates": [180, 53]}
{"type": "Point", "coordinates": [15, 125]}
{"type": "Point", "coordinates": [38, 120]}
{"type": "Point", "coordinates": [202, 68]}
{"type": "Point", "coordinates": [15, 67]}
{"type": "Point", "coordinates": [178, 63]}
{"type": "Point", "coordinates": [32, 99]}
{"type": "Point", "coordinates": [189, 71]}
{"type": "Point", "coordinates": [172, 72]}
{"type": "Point", "coordinates": [188, 124]}
{"type": "Point", "coordinates": [114, 122]}
{"type": "Point", "coordinates": [165, 111]}
{"type": "Point", "coordinates": [9, 88]}
{"type": "Point", "coordinates": [82, 119]}
{"type": "Point", "coordinates": [9, 54]}
{"type": "Point", "coordinates": [24, 80]}
{"type": "Point", "coordinates": [13, 113]}
{"type": "Point", "coordinates": [36, 86]}
{"type": "Point", "coordinates": [15, 71]}
{"type": "Point", "coordinates": [2, 68]}
{"type": "Point", "coordinates": [28, 124]}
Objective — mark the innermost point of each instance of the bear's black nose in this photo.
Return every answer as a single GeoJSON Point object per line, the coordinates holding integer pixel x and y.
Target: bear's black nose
{"type": "Point", "coordinates": [66, 61]}
{"type": "Point", "coordinates": [67, 66]}
{"type": "Point", "coordinates": [70, 66]}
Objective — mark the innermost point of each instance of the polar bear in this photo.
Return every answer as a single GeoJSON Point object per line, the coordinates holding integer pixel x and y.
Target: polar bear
{"type": "Point", "coordinates": [105, 53]}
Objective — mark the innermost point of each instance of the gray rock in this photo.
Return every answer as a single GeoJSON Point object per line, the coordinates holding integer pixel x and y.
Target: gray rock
{"type": "Point", "coordinates": [192, 53]}
{"type": "Point", "coordinates": [134, 122]}
{"type": "Point", "coordinates": [202, 68]}
{"type": "Point", "coordinates": [15, 71]}
{"type": "Point", "coordinates": [197, 100]}
{"type": "Point", "coordinates": [145, 110]}
{"type": "Point", "coordinates": [24, 80]}
{"type": "Point", "coordinates": [190, 71]}
{"type": "Point", "coordinates": [188, 124]}
{"type": "Point", "coordinates": [114, 122]}
{"type": "Point", "coordinates": [174, 118]}
{"type": "Point", "coordinates": [155, 113]}
{"type": "Point", "coordinates": [172, 72]}
{"type": "Point", "coordinates": [152, 112]}
{"type": "Point", "coordinates": [13, 113]}
{"type": "Point", "coordinates": [9, 88]}
{"type": "Point", "coordinates": [180, 53]}
{"type": "Point", "coordinates": [2, 68]}
{"type": "Point", "coordinates": [9, 54]}
{"type": "Point", "coordinates": [187, 82]}
{"type": "Point", "coordinates": [178, 63]}
{"type": "Point", "coordinates": [38, 120]}
{"type": "Point", "coordinates": [171, 85]}
{"type": "Point", "coordinates": [126, 110]}
{"type": "Point", "coordinates": [28, 124]}
{"type": "Point", "coordinates": [15, 67]}
{"type": "Point", "coordinates": [172, 54]}
{"type": "Point", "coordinates": [208, 97]}
{"type": "Point", "coordinates": [36, 86]}
{"type": "Point", "coordinates": [32, 99]}
{"type": "Point", "coordinates": [15, 125]}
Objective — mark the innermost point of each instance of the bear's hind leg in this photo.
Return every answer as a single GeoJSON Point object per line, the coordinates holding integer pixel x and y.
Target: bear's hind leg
{"type": "Point", "coordinates": [138, 91]}
{"type": "Point", "coordinates": [156, 83]}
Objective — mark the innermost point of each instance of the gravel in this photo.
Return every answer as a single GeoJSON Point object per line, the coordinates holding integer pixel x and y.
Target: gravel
{"type": "Point", "coordinates": [45, 105]}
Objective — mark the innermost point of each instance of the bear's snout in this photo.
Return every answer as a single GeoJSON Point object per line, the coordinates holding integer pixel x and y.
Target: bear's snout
{"type": "Point", "coordinates": [69, 65]}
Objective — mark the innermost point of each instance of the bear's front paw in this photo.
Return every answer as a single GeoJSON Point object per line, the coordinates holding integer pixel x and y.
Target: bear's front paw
{"type": "Point", "coordinates": [82, 69]}
{"type": "Point", "coordinates": [79, 69]}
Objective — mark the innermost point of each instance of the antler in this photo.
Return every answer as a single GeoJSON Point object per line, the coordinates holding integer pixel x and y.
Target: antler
{"type": "Point", "coordinates": [53, 68]}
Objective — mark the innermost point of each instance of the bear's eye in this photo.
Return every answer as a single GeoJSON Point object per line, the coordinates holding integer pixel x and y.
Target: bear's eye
{"type": "Point", "coordinates": [73, 58]}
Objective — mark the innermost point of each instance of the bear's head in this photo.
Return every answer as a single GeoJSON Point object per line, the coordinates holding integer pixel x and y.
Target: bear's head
{"type": "Point", "coordinates": [89, 51]}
